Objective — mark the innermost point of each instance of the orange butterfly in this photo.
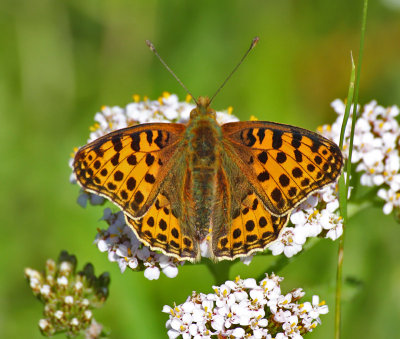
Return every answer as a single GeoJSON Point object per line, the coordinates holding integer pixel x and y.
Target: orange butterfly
{"type": "Point", "coordinates": [232, 185]}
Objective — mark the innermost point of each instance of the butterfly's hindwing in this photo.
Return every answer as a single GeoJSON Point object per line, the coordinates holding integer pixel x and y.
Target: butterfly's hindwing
{"type": "Point", "coordinates": [166, 225]}
{"type": "Point", "coordinates": [161, 229]}
{"type": "Point", "coordinates": [128, 165]}
{"type": "Point", "coordinates": [283, 163]}
{"type": "Point", "coordinates": [242, 224]}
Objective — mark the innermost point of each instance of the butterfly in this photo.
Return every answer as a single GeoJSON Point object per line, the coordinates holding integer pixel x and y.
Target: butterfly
{"type": "Point", "coordinates": [232, 186]}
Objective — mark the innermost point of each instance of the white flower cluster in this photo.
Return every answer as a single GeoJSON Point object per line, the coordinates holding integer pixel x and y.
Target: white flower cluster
{"type": "Point", "coordinates": [166, 108]}
{"type": "Point", "coordinates": [245, 309]}
{"type": "Point", "coordinates": [123, 247]}
{"type": "Point", "coordinates": [376, 150]}
{"type": "Point", "coordinates": [316, 216]}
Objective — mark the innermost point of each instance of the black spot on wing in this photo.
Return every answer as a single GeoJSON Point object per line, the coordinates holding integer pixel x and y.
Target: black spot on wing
{"type": "Point", "coordinates": [263, 157]}
{"type": "Point", "coordinates": [149, 159]}
{"type": "Point", "coordinates": [149, 136]}
{"type": "Point", "coordinates": [261, 135]}
{"type": "Point", "coordinates": [251, 139]}
{"type": "Point", "coordinates": [115, 159]}
{"type": "Point", "coordinates": [277, 139]}
{"type": "Point", "coordinates": [296, 139]}
{"type": "Point", "coordinates": [316, 144]}
{"type": "Point", "coordinates": [116, 141]}
{"type": "Point", "coordinates": [135, 144]}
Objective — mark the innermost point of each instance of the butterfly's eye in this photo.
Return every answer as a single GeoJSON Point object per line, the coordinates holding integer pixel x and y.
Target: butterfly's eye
{"type": "Point", "coordinates": [195, 112]}
{"type": "Point", "coordinates": [211, 113]}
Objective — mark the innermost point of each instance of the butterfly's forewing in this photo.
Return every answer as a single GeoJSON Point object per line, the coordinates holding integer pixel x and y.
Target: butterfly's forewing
{"type": "Point", "coordinates": [129, 165]}
{"type": "Point", "coordinates": [283, 163]}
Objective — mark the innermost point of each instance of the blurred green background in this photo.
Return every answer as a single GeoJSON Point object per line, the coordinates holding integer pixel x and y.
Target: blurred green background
{"type": "Point", "coordinates": [61, 60]}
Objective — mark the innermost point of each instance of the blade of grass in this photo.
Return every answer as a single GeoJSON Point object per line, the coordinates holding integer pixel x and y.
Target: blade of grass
{"type": "Point", "coordinates": [344, 184]}
{"type": "Point", "coordinates": [343, 207]}
{"type": "Point", "coordinates": [350, 95]}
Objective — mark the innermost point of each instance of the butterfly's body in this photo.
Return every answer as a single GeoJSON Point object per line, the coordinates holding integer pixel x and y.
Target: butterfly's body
{"type": "Point", "coordinates": [232, 186]}
{"type": "Point", "coordinates": [203, 135]}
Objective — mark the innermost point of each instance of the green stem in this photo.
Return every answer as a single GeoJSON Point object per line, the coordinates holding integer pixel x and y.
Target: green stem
{"type": "Point", "coordinates": [220, 271]}
{"type": "Point", "coordinates": [343, 193]}
{"type": "Point", "coordinates": [344, 186]}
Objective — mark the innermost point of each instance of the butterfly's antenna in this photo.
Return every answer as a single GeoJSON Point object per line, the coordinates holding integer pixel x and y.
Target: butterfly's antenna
{"type": "Point", "coordinates": [153, 49]}
{"type": "Point", "coordinates": [253, 44]}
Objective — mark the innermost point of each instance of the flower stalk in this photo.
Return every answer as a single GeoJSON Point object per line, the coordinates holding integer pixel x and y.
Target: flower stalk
{"type": "Point", "coordinates": [344, 185]}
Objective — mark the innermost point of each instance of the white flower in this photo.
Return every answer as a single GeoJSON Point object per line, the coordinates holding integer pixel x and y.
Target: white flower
{"type": "Point", "coordinates": [69, 300]}
{"type": "Point", "coordinates": [85, 302]}
{"type": "Point", "coordinates": [44, 324]}
{"type": "Point", "coordinates": [74, 322]}
{"type": "Point", "coordinates": [94, 330]}
{"type": "Point", "coordinates": [319, 307]}
{"type": "Point", "coordinates": [246, 260]}
{"type": "Point", "coordinates": [32, 274]}
{"type": "Point", "coordinates": [45, 290]}
{"type": "Point", "coordinates": [392, 199]}
{"type": "Point", "coordinates": [102, 245]}
{"type": "Point", "coordinates": [315, 308]}
{"type": "Point", "coordinates": [338, 106]}
{"type": "Point", "coordinates": [88, 314]}
{"type": "Point", "coordinates": [65, 267]}
{"type": "Point", "coordinates": [282, 316]}
{"type": "Point", "coordinates": [391, 172]}
{"type": "Point", "coordinates": [238, 332]}
{"type": "Point", "coordinates": [62, 281]}
{"type": "Point", "coordinates": [78, 286]}
{"type": "Point", "coordinates": [298, 293]}
{"type": "Point", "coordinates": [288, 242]}
{"type": "Point", "coordinates": [223, 118]}
{"type": "Point", "coordinates": [126, 258]}
{"type": "Point", "coordinates": [172, 334]}
{"type": "Point", "coordinates": [152, 273]}
{"type": "Point", "coordinates": [58, 314]}
{"type": "Point", "coordinates": [334, 226]}
{"type": "Point", "coordinates": [167, 266]}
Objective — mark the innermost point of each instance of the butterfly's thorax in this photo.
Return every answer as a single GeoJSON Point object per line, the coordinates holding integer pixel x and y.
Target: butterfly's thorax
{"type": "Point", "coordinates": [203, 135]}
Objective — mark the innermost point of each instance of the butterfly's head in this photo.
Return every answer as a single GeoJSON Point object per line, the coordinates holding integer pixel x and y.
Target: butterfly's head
{"type": "Point", "coordinates": [203, 109]}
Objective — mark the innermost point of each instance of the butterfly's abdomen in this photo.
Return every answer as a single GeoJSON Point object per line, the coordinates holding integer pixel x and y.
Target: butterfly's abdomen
{"type": "Point", "coordinates": [204, 162]}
